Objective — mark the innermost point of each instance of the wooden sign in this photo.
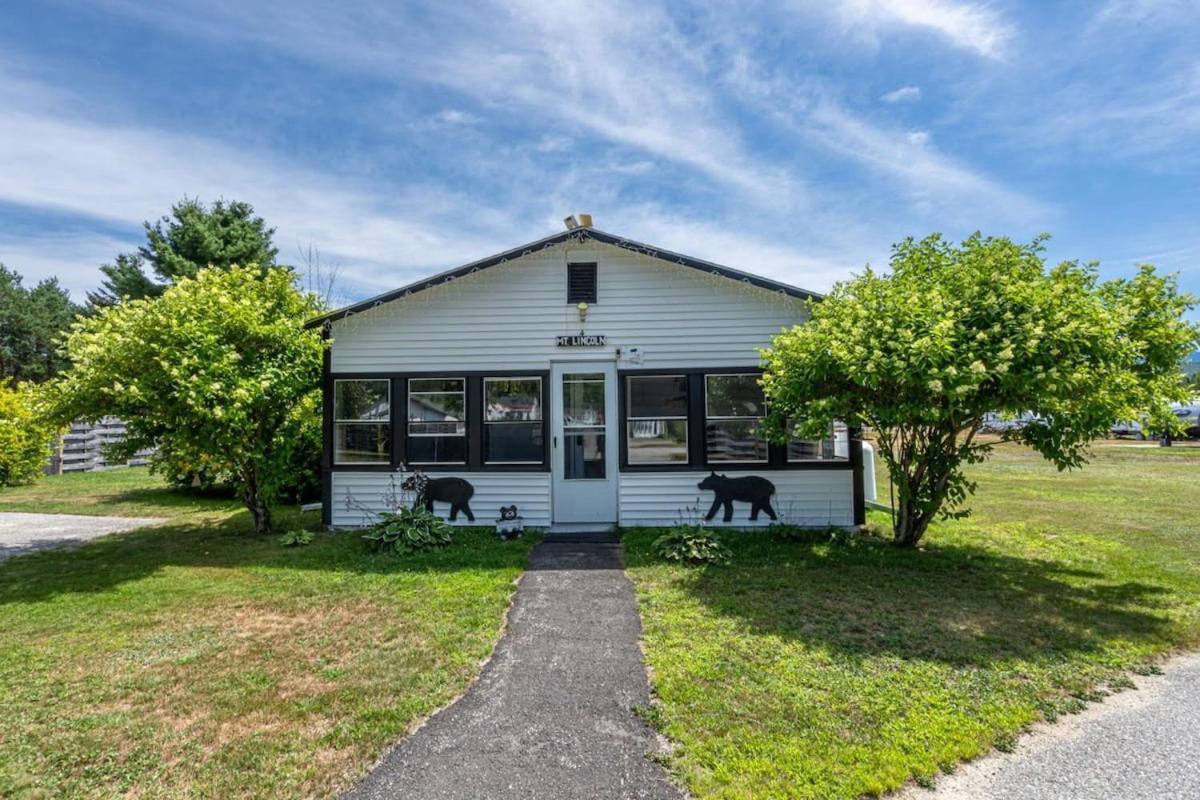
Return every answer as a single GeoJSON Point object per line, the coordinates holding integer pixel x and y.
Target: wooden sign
{"type": "Point", "coordinates": [582, 340]}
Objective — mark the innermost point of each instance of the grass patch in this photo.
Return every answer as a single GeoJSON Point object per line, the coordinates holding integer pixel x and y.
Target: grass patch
{"type": "Point", "coordinates": [827, 669]}
{"type": "Point", "coordinates": [123, 492]}
{"type": "Point", "coordinates": [196, 659]}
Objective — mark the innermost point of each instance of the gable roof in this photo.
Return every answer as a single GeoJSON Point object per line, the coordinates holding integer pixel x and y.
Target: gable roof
{"type": "Point", "coordinates": [577, 235]}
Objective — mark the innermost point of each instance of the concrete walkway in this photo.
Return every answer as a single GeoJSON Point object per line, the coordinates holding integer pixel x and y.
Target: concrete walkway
{"type": "Point", "coordinates": [21, 533]}
{"type": "Point", "coordinates": [1136, 745]}
{"type": "Point", "coordinates": [550, 717]}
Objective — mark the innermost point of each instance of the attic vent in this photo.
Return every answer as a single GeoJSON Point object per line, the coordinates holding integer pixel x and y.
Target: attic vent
{"type": "Point", "coordinates": [581, 283]}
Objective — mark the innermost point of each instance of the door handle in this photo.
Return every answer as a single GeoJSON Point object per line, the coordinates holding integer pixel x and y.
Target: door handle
{"type": "Point", "coordinates": [554, 440]}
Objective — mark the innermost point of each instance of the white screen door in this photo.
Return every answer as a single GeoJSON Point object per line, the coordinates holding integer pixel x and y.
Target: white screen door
{"type": "Point", "coordinates": [584, 442]}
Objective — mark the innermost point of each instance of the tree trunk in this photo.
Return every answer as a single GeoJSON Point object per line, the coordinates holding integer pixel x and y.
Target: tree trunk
{"type": "Point", "coordinates": [252, 495]}
{"type": "Point", "coordinates": [909, 530]}
{"type": "Point", "coordinates": [910, 525]}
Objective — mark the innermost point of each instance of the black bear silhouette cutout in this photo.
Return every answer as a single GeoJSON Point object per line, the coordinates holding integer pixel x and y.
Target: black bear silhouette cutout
{"type": "Point", "coordinates": [455, 491]}
{"type": "Point", "coordinates": [751, 489]}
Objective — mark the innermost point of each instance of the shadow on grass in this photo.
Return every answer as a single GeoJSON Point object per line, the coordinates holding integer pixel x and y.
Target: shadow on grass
{"type": "Point", "coordinates": [168, 497]}
{"type": "Point", "coordinates": [227, 542]}
{"type": "Point", "coordinates": [958, 605]}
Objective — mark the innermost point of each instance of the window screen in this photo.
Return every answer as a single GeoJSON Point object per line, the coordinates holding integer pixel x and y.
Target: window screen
{"type": "Point", "coordinates": [656, 425]}
{"type": "Point", "coordinates": [362, 431]}
{"type": "Point", "coordinates": [734, 409]}
{"type": "Point", "coordinates": [437, 420]}
{"type": "Point", "coordinates": [512, 430]}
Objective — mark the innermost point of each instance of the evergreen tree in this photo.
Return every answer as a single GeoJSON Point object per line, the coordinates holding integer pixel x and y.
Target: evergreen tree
{"type": "Point", "coordinates": [30, 321]}
{"type": "Point", "coordinates": [125, 278]}
{"type": "Point", "coordinates": [192, 237]}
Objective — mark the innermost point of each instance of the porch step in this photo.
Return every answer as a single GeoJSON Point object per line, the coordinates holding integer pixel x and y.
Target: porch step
{"type": "Point", "coordinates": [581, 537]}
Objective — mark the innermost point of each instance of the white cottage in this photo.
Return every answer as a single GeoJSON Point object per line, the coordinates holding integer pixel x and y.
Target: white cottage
{"type": "Point", "coordinates": [589, 380]}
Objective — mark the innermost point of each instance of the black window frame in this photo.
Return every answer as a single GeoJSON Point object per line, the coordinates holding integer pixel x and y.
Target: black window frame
{"type": "Point", "coordinates": [697, 435]}
{"type": "Point", "coordinates": [593, 296]}
{"type": "Point", "coordinates": [734, 464]}
{"type": "Point", "coordinates": [485, 422]}
{"type": "Point", "coordinates": [387, 423]}
{"type": "Point", "coordinates": [399, 421]}
{"type": "Point", "coordinates": [626, 388]}
{"type": "Point", "coordinates": [409, 422]}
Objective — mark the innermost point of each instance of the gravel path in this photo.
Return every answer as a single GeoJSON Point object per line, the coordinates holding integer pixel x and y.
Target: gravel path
{"type": "Point", "coordinates": [21, 533]}
{"type": "Point", "coordinates": [1136, 745]}
{"type": "Point", "coordinates": [550, 717]}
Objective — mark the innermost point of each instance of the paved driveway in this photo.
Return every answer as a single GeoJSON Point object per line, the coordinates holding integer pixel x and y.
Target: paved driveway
{"type": "Point", "coordinates": [21, 533]}
{"type": "Point", "coordinates": [1136, 745]}
{"type": "Point", "coordinates": [551, 716]}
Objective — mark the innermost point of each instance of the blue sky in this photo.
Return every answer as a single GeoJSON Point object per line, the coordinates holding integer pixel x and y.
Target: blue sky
{"type": "Point", "coordinates": [793, 139]}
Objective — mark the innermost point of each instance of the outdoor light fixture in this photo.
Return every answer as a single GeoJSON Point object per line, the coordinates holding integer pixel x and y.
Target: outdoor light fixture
{"type": "Point", "coordinates": [582, 311]}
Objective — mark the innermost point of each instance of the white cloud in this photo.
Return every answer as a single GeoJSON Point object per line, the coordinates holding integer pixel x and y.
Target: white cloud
{"type": "Point", "coordinates": [905, 94]}
{"type": "Point", "coordinates": [940, 183]}
{"type": "Point", "coordinates": [935, 182]}
{"type": "Point", "coordinates": [1145, 11]}
{"type": "Point", "coordinates": [968, 25]}
{"type": "Point", "coordinates": [73, 258]}
{"type": "Point", "coordinates": [576, 72]}
{"type": "Point", "coordinates": [618, 70]}
{"type": "Point", "coordinates": [125, 175]}
{"type": "Point", "coordinates": [1157, 118]}
{"type": "Point", "coordinates": [809, 267]}
{"type": "Point", "coordinates": [453, 116]}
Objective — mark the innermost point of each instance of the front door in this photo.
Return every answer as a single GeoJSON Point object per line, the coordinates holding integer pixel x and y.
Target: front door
{"type": "Point", "coordinates": [584, 442]}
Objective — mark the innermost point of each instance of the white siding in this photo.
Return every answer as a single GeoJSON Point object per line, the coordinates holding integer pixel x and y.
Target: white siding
{"type": "Point", "coordinates": [814, 498]}
{"type": "Point", "coordinates": [508, 315]}
{"type": "Point", "coordinates": [529, 490]}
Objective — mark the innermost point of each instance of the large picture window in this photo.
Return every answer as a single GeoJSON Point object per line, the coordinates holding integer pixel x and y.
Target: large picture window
{"type": "Point", "coordinates": [734, 410]}
{"type": "Point", "coordinates": [362, 430]}
{"type": "Point", "coordinates": [656, 419]}
{"type": "Point", "coordinates": [512, 417]}
{"type": "Point", "coordinates": [437, 421]}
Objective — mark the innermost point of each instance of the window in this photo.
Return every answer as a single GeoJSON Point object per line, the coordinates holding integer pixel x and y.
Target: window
{"type": "Point", "coordinates": [734, 408]}
{"type": "Point", "coordinates": [437, 421]}
{"type": "Point", "coordinates": [834, 446]}
{"type": "Point", "coordinates": [581, 283]}
{"type": "Point", "coordinates": [656, 421]}
{"type": "Point", "coordinates": [362, 430]}
{"type": "Point", "coordinates": [512, 417]}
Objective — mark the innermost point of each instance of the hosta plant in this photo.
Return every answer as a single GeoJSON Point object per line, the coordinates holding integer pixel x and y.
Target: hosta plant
{"type": "Point", "coordinates": [408, 530]}
{"type": "Point", "coordinates": [691, 544]}
{"type": "Point", "coordinates": [296, 538]}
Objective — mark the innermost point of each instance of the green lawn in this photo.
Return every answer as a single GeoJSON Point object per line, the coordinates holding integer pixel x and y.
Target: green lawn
{"type": "Point", "coordinates": [195, 659]}
{"type": "Point", "coordinates": [129, 492]}
{"type": "Point", "coordinates": [825, 670]}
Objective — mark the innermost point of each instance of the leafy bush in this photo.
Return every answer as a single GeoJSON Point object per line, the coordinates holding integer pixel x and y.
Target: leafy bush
{"type": "Point", "coordinates": [408, 530]}
{"type": "Point", "coordinates": [219, 373]}
{"type": "Point", "coordinates": [25, 436]}
{"type": "Point", "coordinates": [691, 544]}
{"type": "Point", "coordinates": [924, 352]}
{"type": "Point", "coordinates": [296, 538]}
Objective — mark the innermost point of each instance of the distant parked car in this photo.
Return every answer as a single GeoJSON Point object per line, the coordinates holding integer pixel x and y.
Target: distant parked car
{"type": "Point", "coordinates": [994, 423]}
{"type": "Point", "coordinates": [1189, 415]}
{"type": "Point", "coordinates": [1130, 428]}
